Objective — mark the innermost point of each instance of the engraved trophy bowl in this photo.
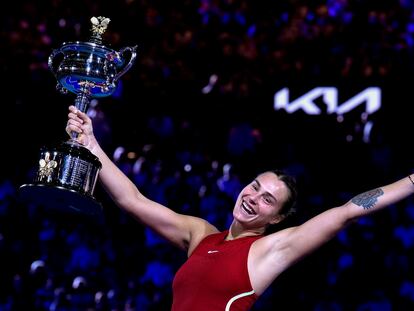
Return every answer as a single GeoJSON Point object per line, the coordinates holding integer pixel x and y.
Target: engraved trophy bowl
{"type": "Point", "coordinates": [67, 174]}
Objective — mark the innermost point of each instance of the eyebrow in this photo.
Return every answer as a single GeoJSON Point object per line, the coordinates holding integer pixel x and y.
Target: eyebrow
{"type": "Point", "coordinates": [266, 192]}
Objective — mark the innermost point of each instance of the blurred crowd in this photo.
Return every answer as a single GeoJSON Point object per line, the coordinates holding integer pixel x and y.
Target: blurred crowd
{"type": "Point", "coordinates": [190, 124]}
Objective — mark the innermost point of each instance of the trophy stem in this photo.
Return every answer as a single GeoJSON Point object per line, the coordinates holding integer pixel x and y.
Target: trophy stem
{"type": "Point", "coordinates": [82, 101]}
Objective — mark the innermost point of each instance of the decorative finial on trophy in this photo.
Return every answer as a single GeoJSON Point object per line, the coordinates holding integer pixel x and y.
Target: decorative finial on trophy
{"type": "Point", "coordinates": [99, 25]}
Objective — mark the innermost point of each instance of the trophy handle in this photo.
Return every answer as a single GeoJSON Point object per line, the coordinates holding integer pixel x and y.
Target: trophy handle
{"type": "Point", "coordinates": [133, 51]}
{"type": "Point", "coordinates": [50, 62]}
{"type": "Point", "coordinates": [53, 69]}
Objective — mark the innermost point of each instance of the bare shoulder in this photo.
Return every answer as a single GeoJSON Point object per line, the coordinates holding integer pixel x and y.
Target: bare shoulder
{"type": "Point", "coordinates": [200, 228]}
{"type": "Point", "coordinates": [268, 258]}
{"type": "Point", "coordinates": [276, 241]}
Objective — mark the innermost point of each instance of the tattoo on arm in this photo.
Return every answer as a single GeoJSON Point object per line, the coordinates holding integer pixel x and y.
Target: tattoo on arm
{"type": "Point", "coordinates": [368, 199]}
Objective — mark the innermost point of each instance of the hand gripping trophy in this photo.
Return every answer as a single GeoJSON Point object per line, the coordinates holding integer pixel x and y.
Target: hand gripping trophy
{"type": "Point", "coordinates": [67, 174]}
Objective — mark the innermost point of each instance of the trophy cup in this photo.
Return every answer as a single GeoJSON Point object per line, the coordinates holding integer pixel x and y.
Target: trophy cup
{"type": "Point", "coordinates": [67, 173]}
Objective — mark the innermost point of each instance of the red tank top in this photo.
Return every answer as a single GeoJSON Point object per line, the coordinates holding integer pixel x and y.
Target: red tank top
{"type": "Point", "coordinates": [215, 276]}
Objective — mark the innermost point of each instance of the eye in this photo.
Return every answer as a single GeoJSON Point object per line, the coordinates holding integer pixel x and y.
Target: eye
{"type": "Point", "coordinates": [268, 199]}
{"type": "Point", "coordinates": [255, 186]}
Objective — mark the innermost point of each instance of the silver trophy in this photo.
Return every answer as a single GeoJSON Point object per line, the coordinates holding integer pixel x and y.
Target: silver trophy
{"type": "Point", "coordinates": [67, 173]}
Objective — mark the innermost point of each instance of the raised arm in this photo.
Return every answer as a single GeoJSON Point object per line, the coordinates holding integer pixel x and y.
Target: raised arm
{"type": "Point", "coordinates": [304, 239]}
{"type": "Point", "coordinates": [274, 253]}
{"type": "Point", "coordinates": [182, 230]}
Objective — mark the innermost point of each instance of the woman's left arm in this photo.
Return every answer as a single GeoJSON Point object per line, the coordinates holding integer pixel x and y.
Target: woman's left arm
{"type": "Point", "coordinates": [304, 239]}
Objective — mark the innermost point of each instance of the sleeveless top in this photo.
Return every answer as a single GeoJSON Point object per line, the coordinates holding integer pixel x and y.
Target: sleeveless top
{"type": "Point", "coordinates": [215, 276]}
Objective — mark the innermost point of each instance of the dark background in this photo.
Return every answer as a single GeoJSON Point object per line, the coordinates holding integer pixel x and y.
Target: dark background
{"type": "Point", "coordinates": [255, 49]}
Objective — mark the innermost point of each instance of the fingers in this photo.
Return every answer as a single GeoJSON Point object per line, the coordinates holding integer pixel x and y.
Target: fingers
{"type": "Point", "coordinates": [78, 122]}
{"type": "Point", "coordinates": [75, 125]}
{"type": "Point", "coordinates": [75, 120]}
{"type": "Point", "coordinates": [74, 117]}
{"type": "Point", "coordinates": [78, 115]}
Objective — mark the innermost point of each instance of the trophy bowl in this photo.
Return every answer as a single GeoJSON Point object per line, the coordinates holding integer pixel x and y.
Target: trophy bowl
{"type": "Point", "coordinates": [67, 174]}
{"type": "Point", "coordinates": [89, 62]}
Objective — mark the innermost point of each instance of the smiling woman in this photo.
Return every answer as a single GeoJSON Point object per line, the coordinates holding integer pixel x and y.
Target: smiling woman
{"type": "Point", "coordinates": [263, 202]}
{"type": "Point", "coordinates": [229, 270]}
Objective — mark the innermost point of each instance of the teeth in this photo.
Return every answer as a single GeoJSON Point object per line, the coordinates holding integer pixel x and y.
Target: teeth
{"type": "Point", "coordinates": [248, 209]}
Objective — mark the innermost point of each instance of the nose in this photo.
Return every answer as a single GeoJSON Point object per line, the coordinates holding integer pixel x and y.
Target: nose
{"type": "Point", "coordinates": [253, 198]}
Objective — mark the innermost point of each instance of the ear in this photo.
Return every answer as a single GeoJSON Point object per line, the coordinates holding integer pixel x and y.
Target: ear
{"type": "Point", "coordinates": [278, 218]}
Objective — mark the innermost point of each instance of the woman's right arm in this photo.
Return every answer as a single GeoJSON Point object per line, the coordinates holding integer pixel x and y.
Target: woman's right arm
{"type": "Point", "coordinates": [182, 230]}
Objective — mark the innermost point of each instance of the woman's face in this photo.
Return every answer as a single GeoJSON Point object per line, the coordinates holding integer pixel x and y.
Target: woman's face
{"type": "Point", "coordinates": [259, 203]}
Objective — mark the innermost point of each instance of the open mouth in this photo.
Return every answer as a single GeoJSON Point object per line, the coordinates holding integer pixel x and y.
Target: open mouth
{"type": "Point", "coordinates": [247, 209]}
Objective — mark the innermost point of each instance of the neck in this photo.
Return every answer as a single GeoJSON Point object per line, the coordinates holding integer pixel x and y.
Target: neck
{"type": "Point", "coordinates": [236, 231]}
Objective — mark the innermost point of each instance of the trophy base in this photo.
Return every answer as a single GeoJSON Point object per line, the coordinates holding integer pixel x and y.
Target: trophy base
{"type": "Point", "coordinates": [59, 198]}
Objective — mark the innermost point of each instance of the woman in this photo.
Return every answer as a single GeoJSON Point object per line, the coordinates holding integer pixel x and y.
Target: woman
{"type": "Point", "coordinates": [229, 270]}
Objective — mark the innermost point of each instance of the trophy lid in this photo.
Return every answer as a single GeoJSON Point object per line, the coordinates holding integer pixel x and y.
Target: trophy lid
{"type": "Point", "coordinates": [99, 25]}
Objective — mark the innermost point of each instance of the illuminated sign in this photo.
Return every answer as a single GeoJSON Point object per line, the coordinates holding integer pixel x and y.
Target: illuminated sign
{"type": "Point", "coordinates": [370, 97]}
